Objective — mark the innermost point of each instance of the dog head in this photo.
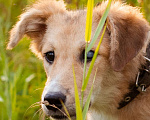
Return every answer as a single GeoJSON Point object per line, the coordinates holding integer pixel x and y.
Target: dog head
{"type": "Point", "coordinates": [58, 39]}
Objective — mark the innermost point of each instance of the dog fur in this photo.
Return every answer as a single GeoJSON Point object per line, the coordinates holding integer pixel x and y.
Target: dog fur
{"type": "Point", "coordinates": [53, 28]}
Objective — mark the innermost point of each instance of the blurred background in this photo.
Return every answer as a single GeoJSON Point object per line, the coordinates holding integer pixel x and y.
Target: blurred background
{"type": "Point", "coordinates": [22, 76]}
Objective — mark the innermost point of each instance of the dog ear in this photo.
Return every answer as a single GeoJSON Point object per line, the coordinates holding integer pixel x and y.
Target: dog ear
{"type": "Point", "coordinates": [128, 33]}
{"type": "Point", "coordinates": [33, 21]}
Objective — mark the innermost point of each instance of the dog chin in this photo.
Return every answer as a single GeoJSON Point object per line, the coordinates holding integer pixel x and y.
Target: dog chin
{"type": "Point", "coordinates": [58, 115]}
{"type": "Point", "coordinates": [62, 117]}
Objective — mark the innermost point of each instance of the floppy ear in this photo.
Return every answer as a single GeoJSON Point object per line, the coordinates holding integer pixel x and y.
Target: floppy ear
{"type": "Point", "coordinates": [33, 21]}
{"type": "Point", "coordinates": [128, 33]}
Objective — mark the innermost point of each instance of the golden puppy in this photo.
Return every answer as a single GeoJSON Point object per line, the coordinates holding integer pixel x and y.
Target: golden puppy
{"type": "Point", "coordinates": [58, 39]}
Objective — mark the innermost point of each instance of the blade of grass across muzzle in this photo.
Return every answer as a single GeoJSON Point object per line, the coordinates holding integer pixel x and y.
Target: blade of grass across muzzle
{"type": "Point", "coordinates": [86, 106]}
{"type": "Point", "coordinates": [93, 60]}
{"type": "Point", "coordinates": [67, 113]}
{"type": "Point", "coordinates": [88, 28]}
{"type": "Point", "coordinates": [77, 100]}
{"type": "Point", "coordinates": [100, 26]}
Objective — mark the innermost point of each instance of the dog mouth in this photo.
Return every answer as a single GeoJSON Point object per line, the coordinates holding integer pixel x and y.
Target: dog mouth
{"type": "Point", "coordinates": [62, 117]}
{"type": "Point", "coordinates": [59, 116]}
{"type": "Point", "coordinates": [56, 113]}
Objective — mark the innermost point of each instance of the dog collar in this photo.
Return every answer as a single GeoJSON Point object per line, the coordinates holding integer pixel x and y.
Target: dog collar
{"type": "Point", "coordinates": [141, 83]}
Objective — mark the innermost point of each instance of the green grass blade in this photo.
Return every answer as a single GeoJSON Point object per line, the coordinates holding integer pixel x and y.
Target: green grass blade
{"type": "Point", "coordinates": [67, 113]}
{"type": "Point", "coordinates": [84, 73]}
{"type": "Point", "coordinates": [77, 100]}
{"type": "Point", "coordinates": [93, 60]}
{"type": "Point", "coordinates": [27, 80]}
{"type": "Point", "coordinates": [100, 26]}
{"type": "Point", "coordinates": [86, 106]}
{"type": "Point", "coordinates": [88, 28]}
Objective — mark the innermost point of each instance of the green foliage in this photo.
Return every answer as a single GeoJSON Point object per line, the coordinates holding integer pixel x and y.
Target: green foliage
{"type": "Point", "coordinates": [87, 103]}
{"type": "Point", "coordinates": [88, 28]}
{"type": "Point", "coordinates": [22, 77]}
{"type": "Point", "coordinates": [88, 31]}
{"type": "Point", "coordinates": [98, 30]}
{"type": "Point", "coordinates": [100, 26]}
{"type": "Point", "coordinates": [92, 62]}
{"type": "Point", "coordinates": [21, 73]}
{"type": "Point", "coordinates": [77, 99]}
{"type": "Point", "coordinates": [146, 8]}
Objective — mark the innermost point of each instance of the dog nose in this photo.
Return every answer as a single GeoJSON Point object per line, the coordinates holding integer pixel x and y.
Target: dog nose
{"type": "Point", "coordinates": [54, 100]}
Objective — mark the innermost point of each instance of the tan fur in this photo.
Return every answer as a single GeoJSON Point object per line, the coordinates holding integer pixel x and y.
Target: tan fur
{"type": "Point", "coordinates": [53, 28]}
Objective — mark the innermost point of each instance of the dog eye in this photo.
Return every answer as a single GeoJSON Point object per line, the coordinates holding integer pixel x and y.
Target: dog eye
{"type": "Point", "coordinates": [49, 56]}
{"type": "Point", "coordinates": [90, 55]}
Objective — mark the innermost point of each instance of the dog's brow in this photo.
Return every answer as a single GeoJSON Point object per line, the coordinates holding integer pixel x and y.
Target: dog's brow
{"type": "Point", "coordinates": [82, 45]}
{"type": "Point", "coordinates": [47, 47]}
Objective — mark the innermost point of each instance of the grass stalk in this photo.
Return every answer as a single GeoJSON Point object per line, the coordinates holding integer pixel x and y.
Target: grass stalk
{"type": "Point", "coordinates": [77, 100]}
{"type": "Point", "coordinates": [86, 106]}
{"type": "Point", "coordinates": [88, 30]}
{"type": "Point", "coordinates": [100, 26]}
{"type": "Point", "coordinates": [93, 61]}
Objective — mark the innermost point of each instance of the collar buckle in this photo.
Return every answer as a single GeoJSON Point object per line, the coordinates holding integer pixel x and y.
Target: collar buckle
{"type": "Point", "coordinates": [143, 87]}
{"type": "Point", "coordinates": [140, 87]}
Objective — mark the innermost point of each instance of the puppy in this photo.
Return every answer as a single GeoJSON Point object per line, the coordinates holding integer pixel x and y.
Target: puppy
{"type": "Point", "coordinates": [58, 39]}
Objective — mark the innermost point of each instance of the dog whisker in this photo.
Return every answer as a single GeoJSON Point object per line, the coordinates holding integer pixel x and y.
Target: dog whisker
{"type": "Point", "coordinates": [36, 113]}
{"type": "Point", "coordinates": [38, 89]}
{"type": "Point", "coordinates": [46, 103]}
{"type": "Point", "coordinates": [42, 115]}
{"type": "Point", "coordinates": [37, 104]}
